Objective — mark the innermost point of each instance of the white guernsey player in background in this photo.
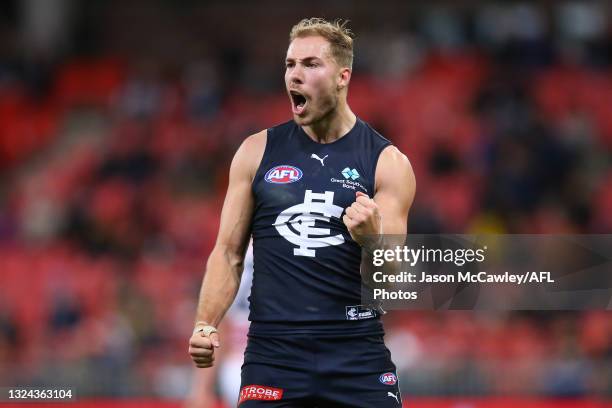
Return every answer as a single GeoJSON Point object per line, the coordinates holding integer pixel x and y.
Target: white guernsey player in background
{"type": "Point", "coordinates": [225, 379]}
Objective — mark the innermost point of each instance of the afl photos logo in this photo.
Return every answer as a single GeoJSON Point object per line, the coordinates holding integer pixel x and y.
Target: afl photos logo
{"type": "Point", "coordinates": [283, 174]}
{"type": "Point", "coordinates": [297, 224]}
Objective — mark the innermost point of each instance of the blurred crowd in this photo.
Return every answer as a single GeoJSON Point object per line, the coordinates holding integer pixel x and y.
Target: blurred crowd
{"type": "Point", "coordinates": [115, 150]}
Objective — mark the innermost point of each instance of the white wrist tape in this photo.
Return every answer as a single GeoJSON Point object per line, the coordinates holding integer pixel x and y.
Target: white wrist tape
{"type": "Point", "coordinates": [207, 330]}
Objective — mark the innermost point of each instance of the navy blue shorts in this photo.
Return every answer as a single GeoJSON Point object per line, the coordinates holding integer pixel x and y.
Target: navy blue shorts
{"type": "Point", "coordinates": [306, 370]}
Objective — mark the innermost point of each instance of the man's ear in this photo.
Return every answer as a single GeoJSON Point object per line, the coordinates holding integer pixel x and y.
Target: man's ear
{"type": "Point", "coordinates": [344, 78]}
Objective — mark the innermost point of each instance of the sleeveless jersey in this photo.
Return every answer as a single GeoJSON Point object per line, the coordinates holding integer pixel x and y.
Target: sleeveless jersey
{"type": "Point", "coordinates": [306, 265]}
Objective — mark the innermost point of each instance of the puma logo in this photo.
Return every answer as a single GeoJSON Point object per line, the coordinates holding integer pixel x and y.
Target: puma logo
{"type": "Point", "coordinates": [390, 394]}
{"type": "Point", "coordinates": [314, 156]}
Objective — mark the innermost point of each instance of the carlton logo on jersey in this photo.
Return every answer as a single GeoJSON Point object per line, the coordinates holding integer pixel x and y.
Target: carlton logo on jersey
{"type": "Point", "coordinates": [297, 223]}
{"type": "Point", "coordinates": [283, 174]}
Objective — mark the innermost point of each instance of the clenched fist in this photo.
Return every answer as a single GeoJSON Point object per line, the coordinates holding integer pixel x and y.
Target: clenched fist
{"type": "Point", "coordinates": [362, 218]}
{"type": "Point", "coordinates": [202, 346]}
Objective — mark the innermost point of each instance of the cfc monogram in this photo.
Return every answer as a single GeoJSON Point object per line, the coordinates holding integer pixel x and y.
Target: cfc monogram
{"type": "Point", "coordinates": [297, 224]}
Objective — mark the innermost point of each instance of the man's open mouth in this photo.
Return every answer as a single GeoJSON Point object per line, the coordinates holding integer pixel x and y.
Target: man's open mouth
{"type": "Point", "coordinates": [298, 102]}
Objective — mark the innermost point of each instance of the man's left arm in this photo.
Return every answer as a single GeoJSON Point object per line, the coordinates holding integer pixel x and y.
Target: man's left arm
{"type": "Point", "coordinates": [387, 211]}
{"type": "Point", "coordinates": [394, 190]}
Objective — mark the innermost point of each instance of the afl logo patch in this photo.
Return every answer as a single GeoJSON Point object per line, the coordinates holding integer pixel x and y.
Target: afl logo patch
{"type": "Point", "coordinates": [388, 379]}
{"type": "Point", "coordinates": [283, 174]}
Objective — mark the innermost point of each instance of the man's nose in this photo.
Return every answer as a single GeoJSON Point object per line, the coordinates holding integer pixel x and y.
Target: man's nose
{"type": "Point", "coordinates": [296, 75]}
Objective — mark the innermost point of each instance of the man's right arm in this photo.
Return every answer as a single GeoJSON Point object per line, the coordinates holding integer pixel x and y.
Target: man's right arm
{"type": "Point", "coordinates": [225, 264]}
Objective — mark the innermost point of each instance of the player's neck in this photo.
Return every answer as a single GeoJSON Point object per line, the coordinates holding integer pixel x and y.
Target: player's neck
{"type": "Point", "coordinates": [331, 128]}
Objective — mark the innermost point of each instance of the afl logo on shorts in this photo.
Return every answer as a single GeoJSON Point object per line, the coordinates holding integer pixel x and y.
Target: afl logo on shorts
{"type": "Point", "coordinates": [283, 174]}
{"type": "Point", "coordinates": [388, 379]}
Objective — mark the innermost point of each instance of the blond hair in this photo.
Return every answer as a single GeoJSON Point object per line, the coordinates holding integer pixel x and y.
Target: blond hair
{"type": "Point", "coordinates": [336, 33]}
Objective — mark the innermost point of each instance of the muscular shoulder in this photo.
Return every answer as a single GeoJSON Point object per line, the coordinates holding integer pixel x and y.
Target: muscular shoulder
{"type": "Point", "coordinates": [394, 171]}
{"type": "Point", "coordinates": [249, 154]}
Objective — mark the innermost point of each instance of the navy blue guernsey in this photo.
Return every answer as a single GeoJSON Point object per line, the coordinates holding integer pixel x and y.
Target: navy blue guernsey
{"type": "Point", "coordinates": [306, 265]}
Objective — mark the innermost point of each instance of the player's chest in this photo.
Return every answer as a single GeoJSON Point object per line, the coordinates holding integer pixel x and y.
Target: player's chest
{"type": "Point", "coordinates": [311, 178]}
